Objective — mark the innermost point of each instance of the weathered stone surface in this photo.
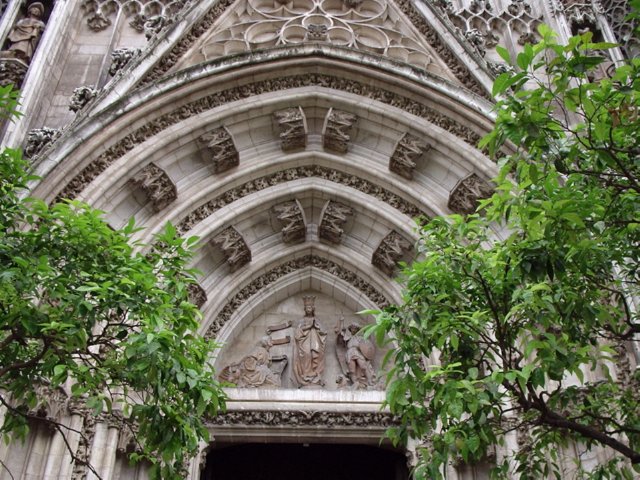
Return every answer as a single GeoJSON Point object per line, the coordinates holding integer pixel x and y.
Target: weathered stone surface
{"type": "Point", "coordinates": [81, 96]}
{"type": "Point", "coordinates": [12, 71]}
{"type": "Point", "coordinates": [336, 132]}
{"type": "Point", "coordinates": [38, 139]}
{"type": "Point", "coordinates": [121, 57]}
{"type": "Point", "coordinates": [291, 216]}
{"type": "Point", "coordinates": [157, 186]}
{"type": "Point", "coordinates": [407, 152]}
{"type": "Point", "coordinates": [223, 152]}
{"type": "Point", "coordinates": [234, 248]}
{"type": "Point", "coordinates": [467, 193]}
{"type": "Point", "coordinates": [197, 295]}
{"type": "Point", "coordinates": [293, 128]}
{"type": "Point", "coordinates": [391, 250]}
{"type": "Point", "coordinates": [332, 220]}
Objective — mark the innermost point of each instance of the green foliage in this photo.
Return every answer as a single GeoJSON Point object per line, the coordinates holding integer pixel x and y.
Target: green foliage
{"type": "Point", "coordinates": [81, 307]}
{"type": "Point", "coordinates": [512, 314]}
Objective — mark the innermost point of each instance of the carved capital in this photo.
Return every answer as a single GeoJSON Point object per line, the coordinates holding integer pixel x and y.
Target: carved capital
{"type": "Point", "coordinates": [291, 217]}
{"type": "Point", "coordinates": [332, 219]}
{"type": "Point", "coordinates": [391, 250]}
{"type": "Point", "coordinates": [293, 128]}
{"type": "Point", "coordinates": [120, 58]}
{"type": "Point", "coordinates": [220, 146]}
{"type": "Point", "coordinates": [12, 71]}
{"type": "Point", "coordinates": [408, 150]}
{"type": "Point", "coordinates": [336, 132]}
{"type": "Point", "coordinates": [38, 139]}
{"type": "Point", "coordinates": [81, 96]}
{"type": "Point", "coordinates": [467, 193]}
{"type": "Point", "coordinates": [234, 248]}
{"type": "Point", "coordinates": [157, 186]}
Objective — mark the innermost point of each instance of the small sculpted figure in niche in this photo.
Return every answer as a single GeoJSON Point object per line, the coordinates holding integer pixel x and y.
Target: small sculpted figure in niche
{"type": "Point", "coordinates": [254, 370]}
{"type": "Point", "coordinates": [309, 348]}
{"type": "Point", "coordinates": [355, 354]}
{"type": "Point", "coordinates": [26, 33]}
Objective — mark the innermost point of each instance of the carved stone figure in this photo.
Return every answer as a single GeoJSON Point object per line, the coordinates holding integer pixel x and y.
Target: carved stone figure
{"type": "Point", "coordinates": [355, 354]}
{"type": "Point", "coordinates": [38, 139]}
{"type": "Point", "coordinates": [234, 248]}
{"type": "Point", "coordinates": [337, 130]}
{"type": "Point", "coordinates": [254, 370]}
{"type": "Point", "coordinates": [12, 71]}
{"type": "Point", "coordinates": [291, 217]}
{"type": "Point", "coordinates": [334, 216]}
{"type": "Point", "coordinates": [224, 154]}
{"type": "Point", "coordinates": [197, 295]}
{"type": "Point", "coordinates": [390, 251]}
{"type": "Point", "coordinates": [309, 348]}
{"type": "Point", "coordinates": [293, 128]}
{"type": "Point", "coordinates": [81, 96]}
{"type": "Point", "coordinates": [157, 186]}
{"type": "Point", "coordinates": [120, 58]}
{"type": "Point", "coordinates": [408, 150]}
{"type": "Point", "coordinates": [26, 33]}
{"type": "Point", "coordinates": [467, 193]}
{"type": "Point", "coordinates": [316, 32]}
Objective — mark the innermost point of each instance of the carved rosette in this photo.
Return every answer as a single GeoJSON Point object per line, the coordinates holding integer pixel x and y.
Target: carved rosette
{"type": "Point", "coordinates": [293, 128]}
{"type": "Point", "coordinates": [408, 150]}
{"type": "Point", "coordinates": [336, 132]}
{"type": "Point", "coordinates": [12, 71]}
{"type": "Point", "coordinates": [157, 186]}
{"type": "Point", "coordinates": [121, 57]}
{"type": "Point", "coordinates": [467, 193]}
{"type": "Point", "coordinates": [197, 295]}
{"type": "Point", "coordinates": [81, 96]}
{"type": "Point", "coordinates": [332, 220]}
{"type": "Point", "coordinates": [224, 154]}
{"type": "Point", "coordinates": [234, 248]}
{"type": "Point", "coordinates": [291, 217]}
{"type": "Point", "coordinates": [391, 250]}
{"type": "Point", "coordinates": [38, 139]}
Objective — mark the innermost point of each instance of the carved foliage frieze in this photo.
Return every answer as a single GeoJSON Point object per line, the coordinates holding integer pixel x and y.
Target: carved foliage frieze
{"type": "Point", "coordinates": [292, 124]}
{"type": "Point", "coordinates": [391, 250]}
{"type": "Point", "coordinates": [81, 96]}
{"type": "Point", "coordinates": [291, 217]}
{"type": "Point", "coordinates": [157, 186]}
{"type": "Point", "coordinates": [336, 132]}
{"type": "Point", "coordinates": [38, 139]}
{"type": "Point", "coordinates": [467, 193]}
{"type": "Point", "coordinates": [12, 71]}
{"type": "Point", "coordinates": [234, 248]}
{"type": "Point", "coordinates": [293, 418]}
{"type": "Point", "coordinates": [221, 149]}
{"type": "Point", "coordinates": [408, 150]}
{"type": "Point", "coordinates": [332, 220]}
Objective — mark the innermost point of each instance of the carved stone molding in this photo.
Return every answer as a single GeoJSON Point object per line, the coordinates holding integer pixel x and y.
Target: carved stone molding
{"type": "Point", "coordinates": [98, 12]}
{"type": "Point", "coordinates": [294, 418]}
{"type": "Point", "coordinates": [83, 452]}
{"type": "Point", "coordinates": [292, 174]}
{"type": "Point", "coordinates": [157, 186]}
{"type": "Point", "coordinates": [12, 71]}
{"type": "Point", "coordinates": [336, 132]}
{"type": "Point", "coordinates": [121, 57]}
{"type": "Point", "coordinates": [266, 279]}
{"type": "Point", "coordinates": [334, 216]}
{"type": "Point", "coordinates": [293, 128]}
{"type": "Point", "coordinates": [38, 139]}
{"type": "Point", "coordinates": [224, 154]}
{"type": "Point", "coordinates": [157, 125]}
{"type": "Point", "coordinates": [467, 193]}
{"type": "Point", "coordinates": [408, 150]}
{"type": "Point", "coordinates": [291, 217]}
{"type": "Point", "coordinates": [81, 96]}
{"type": "Point", "coordinates": [234, 247]}
{"type": "Point", "coordinates": [391, 250]}
{"type": "Point", "coordinates": [197, 295]}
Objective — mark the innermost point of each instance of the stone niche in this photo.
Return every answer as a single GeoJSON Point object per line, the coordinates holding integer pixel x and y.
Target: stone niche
{"type": "Point", "coordinates": [281, 321]}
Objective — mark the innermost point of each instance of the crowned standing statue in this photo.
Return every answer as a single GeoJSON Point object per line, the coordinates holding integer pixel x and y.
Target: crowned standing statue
{"type": "Point", "coordinates": [309, 348]}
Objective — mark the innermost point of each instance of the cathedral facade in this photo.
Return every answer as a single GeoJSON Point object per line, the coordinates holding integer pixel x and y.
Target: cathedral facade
{"type": "Point", "coordinates": [300, 140]}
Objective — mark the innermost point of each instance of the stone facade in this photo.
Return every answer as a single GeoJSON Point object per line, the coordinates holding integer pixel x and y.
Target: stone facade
{"type": "Point", "coordinates": [300, 144]}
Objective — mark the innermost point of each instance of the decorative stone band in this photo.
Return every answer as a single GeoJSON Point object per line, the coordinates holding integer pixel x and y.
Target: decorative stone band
{"type": "Point", "coordinates": [266, 279]}
{"type": "Point", "coordinates": [332, 219]}
{"type": "Point", "coordinates": [408, 150]}
{"type": "Point", "coordinates": [291, 217]}
{"type": "Point", "coordinates": [234, 247]}
{"type": "Point", "coordinates": [467, 193]}
{"type": "Point", "coordinates": [223, 152]}
{"type": "Point", "coordinates": [391, 250]}
{"type": "Point", "coordinates": [216, 99]}
{"type": "Point", "coordinates": [157, 186]}
{"type": "Point", "coordinates": [291, 174]}
{"type": "Point", "coordinates": [292, 124]}
{"type": "Point", "coordinates": [302, 418]}
{"type": "Point", "coordinates": [462, 73]}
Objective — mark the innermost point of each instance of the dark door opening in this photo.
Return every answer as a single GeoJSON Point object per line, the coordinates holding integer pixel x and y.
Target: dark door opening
{"type": "Point", "coordinates": [299, 462]}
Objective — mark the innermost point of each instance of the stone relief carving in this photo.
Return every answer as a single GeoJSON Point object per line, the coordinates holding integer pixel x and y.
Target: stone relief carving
{"type": "Point", "coordinates": [310, 340]}
{"type": "Point", "coordinates": [234, 247]}
{"type": "Point", "coordinates": [292, 174]}
{"type": "Point", "coordinates": [142, 11]}
{"type": "Point", "coordinates": [38, 139]}
{"type": "Point", "coordinates": [156, 185]}
{"type": "Point", "coordinates": [408, 150]}
{"type": "Point", "coordinates": [197, 295]}
{"type": "Point", "coordinates": [121, 57]}
{"type": "Point", "coordinates": [224, 154]}
{"type": "Point", "coordinates": [12, 71]}
{"type": "Point", "coordinates": [376, 420]}
{"type": "Point", "coordinates": [25, 35]}
{"type": "Point", "coordinates": [266, 279]}
{"type": "Point", "coordinates": [81, 96]}
{"type": "Point", "coordinates": [581, 16]}
{"type": "Point", "coordinates": [256, 370]}
{"type": "Point", "coordinates": [150, 26]}
{"type": "Point", "coordinates": [291, 216]}
{"type": "Point", "coordinates": [334, 216]}
{"type": "Point", "coordinates": [336, 132]}
{"type": "Point", "coordinates": [616, 12]}
{"type": "Point", "coordinates": [355, 356]}
{"type": "Point", "coordinates": [293, 128]}
{"type": "Point", "coordinates": [390, 251]}
{"type": "Point", "coordinates": [155, 126]}
{"type": "Point", "coordinates": [467, 193]}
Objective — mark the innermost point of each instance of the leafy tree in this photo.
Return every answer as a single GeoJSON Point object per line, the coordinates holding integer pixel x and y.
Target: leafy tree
{"type": "Point", "coordinates": [82, 307]}
{"type": "Point", "coordinates": [514, 317]}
